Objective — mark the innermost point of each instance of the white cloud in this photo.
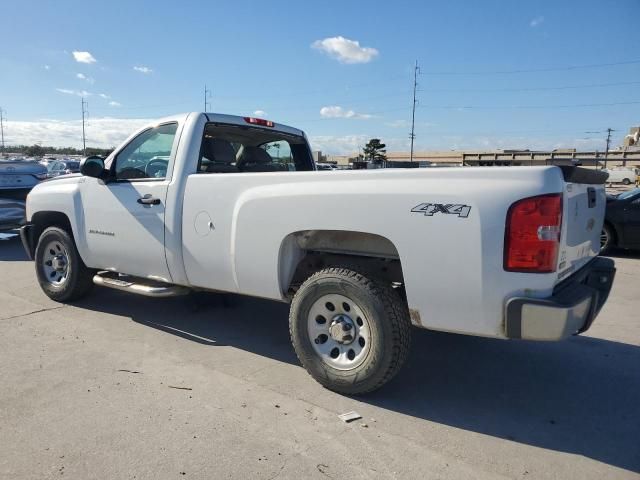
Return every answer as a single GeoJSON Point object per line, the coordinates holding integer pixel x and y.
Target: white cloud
{"type": "Point", "coordinates": [82, 76]}
{"type": "Point", "coordinates": [104, 95]}
{"type": "Point", "coordinates": [113, 103]}
{"type": "Point", "coordinates": [345, 50]}
{"type": "Point", "coordinates": [536, 21]}
{"type": "Point", "coordinates": [83, 57]}
{"type": "Point", "coordinates": [47, 67]}
{"type": "Point", "coordinates": [103, 132]}
{"type": "Point", "coordinates": [143, 69]}
{"type": "Point", "coordinates": [338, 144]}
{"type": "Point", "coordinates": [260, 113]}
{"type": "Point", "coordinates": [79, 93]}
{"type": "Point", "coordinates": [335, 111]}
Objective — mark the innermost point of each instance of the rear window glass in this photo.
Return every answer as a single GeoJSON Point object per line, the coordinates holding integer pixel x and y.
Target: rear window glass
{"type": "Point", "coordinates": [247, 149]}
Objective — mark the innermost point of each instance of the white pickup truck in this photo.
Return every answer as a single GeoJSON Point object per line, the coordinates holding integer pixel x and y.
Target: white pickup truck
{"type": "Point", "coordinates": [234, 204]}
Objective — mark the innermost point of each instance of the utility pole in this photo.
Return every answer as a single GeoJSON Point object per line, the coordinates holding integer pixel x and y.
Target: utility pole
{"type": "Point", "coordinates": [412, 136]}
{"type": "Point", "coordinates": [207, 99]}
{"type": "Point", "coordinates": [606, 152]}
{"type": "Point", "coordinates": [84, 139]}
{"type": "Point", "coordinates": [2, 128]}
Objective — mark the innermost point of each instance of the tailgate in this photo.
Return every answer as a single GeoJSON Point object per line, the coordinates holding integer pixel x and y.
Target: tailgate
{"type": "Point", "coordinates": [583, 215]}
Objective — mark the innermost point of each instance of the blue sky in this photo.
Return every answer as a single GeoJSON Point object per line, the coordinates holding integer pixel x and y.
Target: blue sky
{"type": "Point", "coordinates": [342, 71]}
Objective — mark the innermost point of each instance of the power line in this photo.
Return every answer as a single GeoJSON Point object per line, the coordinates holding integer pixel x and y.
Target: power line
{"type": "Point", "coordinates": [532, 89]}
{"type": "Point", "coordinates": [516, 107]}
{"type": "Point", "coordinates": [533, 70]}
{"type": "Point", "coordinates": [412, 136]}
{"type": "Point", "coordinates": [84, 138]}
{"type": "Point", "coordinates": [606, 151]}
{"type": "Point", "coordinates": [207, 97]}
{"type": "Point", "coordinates": [2, 127]}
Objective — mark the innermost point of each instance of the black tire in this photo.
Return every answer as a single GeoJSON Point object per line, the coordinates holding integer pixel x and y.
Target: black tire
{"type": "Point", "coordinates": [387, 318]}
{"type": "Point", "coordinates": [77, 280]}
{"type": "Point", "coordinates": [607, 239]}
{"type": "Point", "coordinates": [626, 181]}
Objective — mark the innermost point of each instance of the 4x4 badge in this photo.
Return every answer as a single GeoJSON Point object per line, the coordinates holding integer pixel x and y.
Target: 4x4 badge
{"type": "Point", "coordinates": [430, 209]}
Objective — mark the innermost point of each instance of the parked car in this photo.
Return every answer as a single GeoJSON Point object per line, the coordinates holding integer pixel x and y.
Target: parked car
{"type": "Point", "coordinates": [623, 175]}
{"type": "Point", "coordinates": [326, 166]}
{"type": "Point", "coordinates": [622, 221]}
{"type": "Point", "coordinates": [17, 178]}
{"type": "Point", "coordinates": [12, 214]}
{"type": "Point", "coordinates": [198, 202]}
{"type": "Point", "coordinates": [63, 167]}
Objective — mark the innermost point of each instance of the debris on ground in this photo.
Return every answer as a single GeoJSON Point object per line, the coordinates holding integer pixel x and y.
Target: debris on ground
{"type": "Point", "coordinates": [180, 388]}
{"type": "Point", "coordinates": [349, 417]}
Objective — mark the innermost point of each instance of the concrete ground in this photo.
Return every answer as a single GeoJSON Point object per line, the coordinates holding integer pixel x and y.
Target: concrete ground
{"type": "Point", "coordinates": [124, 387]}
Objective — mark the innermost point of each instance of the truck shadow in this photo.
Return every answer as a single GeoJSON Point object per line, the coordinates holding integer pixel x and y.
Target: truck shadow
{"type": "Point", "coordinates": [580, 396]}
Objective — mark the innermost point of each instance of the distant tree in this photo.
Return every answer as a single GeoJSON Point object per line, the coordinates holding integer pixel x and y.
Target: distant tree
{"type": "Point", "coordinates": [39, 150]}
{"type": "Point", "coordinates": [34, 151]}
{"type": "Point", "coordinates": [375, 151]}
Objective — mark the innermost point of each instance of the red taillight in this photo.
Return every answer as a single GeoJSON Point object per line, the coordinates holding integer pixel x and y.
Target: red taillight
{"type": "Point", "coordinates": [532, 236]}
{"type": "Point", "coordinates": [258, 121]}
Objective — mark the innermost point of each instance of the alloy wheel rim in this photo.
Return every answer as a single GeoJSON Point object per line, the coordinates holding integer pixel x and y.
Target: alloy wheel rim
{"type": "Point", "coordinates": [339, 331]}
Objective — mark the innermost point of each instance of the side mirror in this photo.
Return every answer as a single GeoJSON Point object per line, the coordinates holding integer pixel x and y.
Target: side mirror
{"type": "Point", "coordinates": [92, 167]}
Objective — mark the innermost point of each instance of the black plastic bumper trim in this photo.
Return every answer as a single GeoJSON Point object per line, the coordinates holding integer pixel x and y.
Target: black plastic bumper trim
{"type": "Point", "coordinates": [593, 281]}
{"type": "Point", "coordinates": [26, 235]}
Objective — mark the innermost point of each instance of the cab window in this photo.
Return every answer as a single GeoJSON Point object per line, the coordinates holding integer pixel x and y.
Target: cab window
{"type": "Point", "coordinates": [147, 155]}
{"type": "Point", "coordinates": [248, 149]}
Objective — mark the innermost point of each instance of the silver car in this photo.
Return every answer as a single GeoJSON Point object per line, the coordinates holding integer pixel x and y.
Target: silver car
{"type": "Point", "coordinates": [18, 177]}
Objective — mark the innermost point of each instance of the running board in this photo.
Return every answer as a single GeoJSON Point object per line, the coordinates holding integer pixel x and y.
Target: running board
{"type": "Point", "coordinates": [140, 286]}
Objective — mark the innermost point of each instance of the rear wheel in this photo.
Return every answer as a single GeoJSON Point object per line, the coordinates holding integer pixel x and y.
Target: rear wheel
{"type": "Point", "coordinates": [606, 239]}
{"type": "Point", "coordinates": [351, 332]}
{"type": "Point", "coordinates": [626, 181]}
{"type": "Point", "coordinates": [62, 274]}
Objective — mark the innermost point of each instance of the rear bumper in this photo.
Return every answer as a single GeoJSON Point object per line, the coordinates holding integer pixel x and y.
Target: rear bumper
{"type": "Point", "coordinates": [571, 309]}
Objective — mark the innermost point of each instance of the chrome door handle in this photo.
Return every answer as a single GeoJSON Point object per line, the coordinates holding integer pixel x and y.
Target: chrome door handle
{"type": "Point", "coordinates": [149, 200]}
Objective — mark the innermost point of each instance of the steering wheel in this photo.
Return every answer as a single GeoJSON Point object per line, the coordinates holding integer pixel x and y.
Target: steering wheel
{"type": "Point", "coordinates": [155, 166]}
{"type": "Point", "coordinates": [131, 172]}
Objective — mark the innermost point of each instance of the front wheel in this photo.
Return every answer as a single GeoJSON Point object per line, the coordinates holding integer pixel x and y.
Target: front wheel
{"type": "Point", "coordinates": [626, 181]}
{"type": "Point", "coordinates": [62, 274]}
{"type": "Point", "coordinates": [351, 333]}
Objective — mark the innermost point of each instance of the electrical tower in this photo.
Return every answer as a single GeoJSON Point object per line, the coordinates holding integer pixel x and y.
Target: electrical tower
{"type": "Point", "coordinates": [412, 135]}
{"type": "Point", "coordinates": [207, 99]}
{"type": "Point", "coordinates": [84, 139]}
{"type": "Point", "coordinates": [2, 128]}
{"type": "Point", "coordinates": [606, 152]}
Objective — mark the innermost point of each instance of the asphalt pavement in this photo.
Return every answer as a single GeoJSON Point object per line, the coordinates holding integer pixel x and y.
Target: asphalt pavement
{"type": "Point", "coordinates": [208, 386]}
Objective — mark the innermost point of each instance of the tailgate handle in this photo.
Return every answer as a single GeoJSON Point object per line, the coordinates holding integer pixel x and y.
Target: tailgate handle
{"type": "Point", "coordinates": [591, 196]}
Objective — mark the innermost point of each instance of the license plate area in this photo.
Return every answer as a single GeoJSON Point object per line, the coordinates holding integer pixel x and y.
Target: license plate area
{"type": "Point", "coordinates": [14, 180]}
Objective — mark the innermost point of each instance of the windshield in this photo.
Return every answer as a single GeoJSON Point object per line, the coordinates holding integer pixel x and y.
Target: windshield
{"type": "Point", "coordinates": [629, 194]}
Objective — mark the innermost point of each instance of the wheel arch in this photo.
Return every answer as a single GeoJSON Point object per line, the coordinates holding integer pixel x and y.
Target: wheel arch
{"type": "Point", "coordinates": [304, 252]}
{"type": "Point", "coordinates": [47, 218]}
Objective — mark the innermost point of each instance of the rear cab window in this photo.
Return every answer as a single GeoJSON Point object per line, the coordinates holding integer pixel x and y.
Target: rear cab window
{"type": "Point", "coordinates": [248, 149]}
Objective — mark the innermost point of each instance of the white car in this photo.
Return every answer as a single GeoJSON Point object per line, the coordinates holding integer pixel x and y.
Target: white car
{"type": "Point", "coordinates": [626, 176]}
{"type": "Point", "coordinates": [234, 204]}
